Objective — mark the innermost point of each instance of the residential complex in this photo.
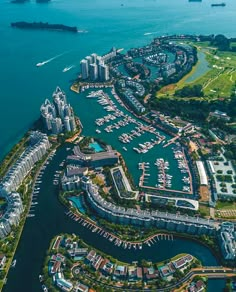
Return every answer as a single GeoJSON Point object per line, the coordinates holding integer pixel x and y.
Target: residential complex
{"type": "Point", "coordinates": [115, 273]}
{"type": "Point", "coordinates": [99, 159]}
{"type": "Point", "coordinates": [38, 146]}
{"type": "Point", "coordinates": [58, 116]}
{"type": "Point", "coordinates": [161, 220]}
{"type": "Point", "coordinates": [94, 68]}
{"type": "Point", "coordinates": [227, 238]}
{"type": "Point", "coordinates": [11, 216]}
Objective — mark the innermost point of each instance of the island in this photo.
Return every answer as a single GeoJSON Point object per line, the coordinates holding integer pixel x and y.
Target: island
{"type": "Point", "coordinates": [43, 25]}
{"type": "Point", "coordinates": [19, 1]}
{"type": "Point", "coordinates": [42, 1]}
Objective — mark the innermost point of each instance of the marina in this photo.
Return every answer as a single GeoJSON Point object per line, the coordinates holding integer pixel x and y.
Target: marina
{"type": "Point", "coordinates": [116, 240]}
{"type": "Point", "coordinates": [135, 137]}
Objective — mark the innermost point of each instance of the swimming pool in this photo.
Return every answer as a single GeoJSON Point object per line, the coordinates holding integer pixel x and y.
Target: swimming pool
{"type": "Point", "coordinates": [76, 201]}
{"type": "Point", "coordinates": [96, 147]}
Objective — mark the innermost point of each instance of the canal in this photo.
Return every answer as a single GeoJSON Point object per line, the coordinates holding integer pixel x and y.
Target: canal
{"type": "Point", "coordinates": [50, 220]}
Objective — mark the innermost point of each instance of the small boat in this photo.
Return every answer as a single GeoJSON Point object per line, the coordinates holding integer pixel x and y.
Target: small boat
{"type": "Point", "coordinates": [67, 68]}
{"type": "Point", "coordinates": [40, 278]}
{"type": "Point", "coordinates": [45, 289]}
{"type": "Point", "coordinates": [13, 264]}
{"type": "Point", "coordinates": [124, 148]}
{"type": "Point", "coordinates": [40, 64]}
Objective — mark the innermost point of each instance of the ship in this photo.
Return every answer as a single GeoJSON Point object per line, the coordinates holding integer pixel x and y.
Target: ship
{"type": "Point", "coordinates": [218, 4]}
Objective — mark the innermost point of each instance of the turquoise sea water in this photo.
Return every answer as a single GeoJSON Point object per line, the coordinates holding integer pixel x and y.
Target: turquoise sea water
{"type": "Point", "coordinates": [23, 86]}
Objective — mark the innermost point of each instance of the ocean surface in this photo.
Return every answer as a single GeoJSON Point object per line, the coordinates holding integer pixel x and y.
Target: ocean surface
{"type": "Point", "coordinates": [23, 86]}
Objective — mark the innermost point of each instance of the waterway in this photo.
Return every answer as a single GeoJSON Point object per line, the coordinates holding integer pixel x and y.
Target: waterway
{"type": "Point", "coordinates": [25, 86]}
{"type": "Point", "coordinates": [201, 68]}
{"type": "Point", "coordinates": [131, 157]}
{"type": "Point", "coordinates": [50, 220]}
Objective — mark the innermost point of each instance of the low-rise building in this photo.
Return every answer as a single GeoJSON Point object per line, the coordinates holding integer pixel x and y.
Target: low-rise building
{"type": "Point", "coordinates": [94, 160]}
{"type": "Point", "coordinates": [150, 273]}
{"type": "Point", "coordinates": [227, 238]}
{"type": "Point", "coordinates": [106, 267]}
{"type": "Point", "coordinates": [79, 287]}
{"type": "Point", "coordinates": [182, 262]}
{"type": "Point", "coordinates": [196, 286]}
{"type": "Point", "coordinates": [135, 273]}
{"type": "Point", "coordinates": [120, 272]}
{"type": "Point", "coordinates": [3, 260]}
{"type": "Point", "coordinates": [167, 270]}
{"type": "Point", "coordinates": [64, 284]}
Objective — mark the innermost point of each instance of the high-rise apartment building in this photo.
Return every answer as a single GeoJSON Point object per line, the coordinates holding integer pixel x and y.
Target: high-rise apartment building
{"type": "Point", "coordinates": [58, 116]}
{"type": "Point", "coordinates": [84, 67]}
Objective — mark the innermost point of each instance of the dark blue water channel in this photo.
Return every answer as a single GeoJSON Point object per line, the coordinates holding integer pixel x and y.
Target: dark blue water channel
{"type": "Point", "coordinates": [50, 220]}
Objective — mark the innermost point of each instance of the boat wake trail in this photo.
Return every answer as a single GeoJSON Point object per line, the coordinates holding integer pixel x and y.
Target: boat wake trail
{"type": "Point", "coordinates": [68, 68]}
{"type": "Point", "coordinates": [51, 59]}
{"type": "Point", "coordinates": [149, 33]}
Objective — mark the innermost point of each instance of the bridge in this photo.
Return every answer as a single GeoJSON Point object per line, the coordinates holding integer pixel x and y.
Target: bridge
{"type": "Point", "coordinates": [214, 271]}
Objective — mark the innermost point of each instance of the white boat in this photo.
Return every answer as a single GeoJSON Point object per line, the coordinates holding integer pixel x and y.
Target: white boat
{"type": "Point", "coordinates": [124, 148]}
{"type": "Point", "coordinates": [40, 64]}
{"type": "Point", "coordinates": [40, 278]}
{"type": "Point", "coordinates": [13, 264]}
{"type": "Point", "coordinates": [45, 289]}
{"type": "Point", "coordinates": [67, 68]}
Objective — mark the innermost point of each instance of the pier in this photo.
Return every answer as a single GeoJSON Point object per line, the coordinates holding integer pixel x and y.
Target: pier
{"type": "Point", "coordinates": [88, 223]}
{"type": "Point", "coordinates": [171, 141]}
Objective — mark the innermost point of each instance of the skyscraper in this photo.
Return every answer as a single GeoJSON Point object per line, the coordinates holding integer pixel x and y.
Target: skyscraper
{"type": "Point", "coordinates": [72, 123]}
{"type": "Point", "coordinates": [89, 59]}
{"type": "Point", "coordinates": [59, 115]}
{"type": "Point", "coordinates": [67, 124]}
{"type": "Point", "coordinates": [56, 126]}
{"type": "Point", "coordinates": [94, 57]}
{"type": "Point", "coordinates": [84, 69]}
{"type": "Point", "coordinates": [103, 72]}
{"type": "Point", "coordinates": [93, 72]}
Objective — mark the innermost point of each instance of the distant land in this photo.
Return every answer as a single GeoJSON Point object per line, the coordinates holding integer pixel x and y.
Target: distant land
{"type": "Point", "coordinates": [43, 25]}
{"type": "Point", "coordinates": [19, 1]}
{"type": "Point", "coordinates": [23, 1]}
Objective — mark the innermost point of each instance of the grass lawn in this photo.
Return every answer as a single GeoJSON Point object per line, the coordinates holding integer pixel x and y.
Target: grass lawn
{"type": "Point", "coordinates": [226, 205]}
{"type": "Point", "coordinates": [217, 82]}
{"type": "Point", "coordinates": [204, 210]}
{"type": "Point", "coordinates": [2, 201]}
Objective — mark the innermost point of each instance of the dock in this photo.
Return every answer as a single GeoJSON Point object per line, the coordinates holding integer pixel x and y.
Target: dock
{"type": "Point", "coordinates": [87, 223]}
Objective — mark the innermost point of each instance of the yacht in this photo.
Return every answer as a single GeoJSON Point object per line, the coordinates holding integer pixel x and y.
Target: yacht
{"type": "Point", "coordinates": [45, 289]}
{"type": "Point", "coordinates": [13, 264]}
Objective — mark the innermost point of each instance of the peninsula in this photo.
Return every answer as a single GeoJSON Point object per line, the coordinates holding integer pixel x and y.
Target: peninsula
{"type": "Point", "coordinates": [43, 25]}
